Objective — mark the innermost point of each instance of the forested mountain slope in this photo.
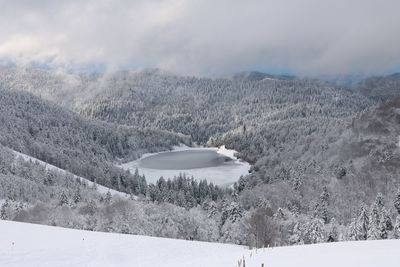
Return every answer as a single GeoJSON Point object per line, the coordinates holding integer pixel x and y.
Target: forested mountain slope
{"type": "Point", "coordinates": [273, 121]}
{"type": "Point", "coordinates": [62, 138]}
{"type": "Point", "coordinates": [355, 183]}
{"type": "Point", "coordinates": [380, 88]}
{"type": "Point", "coordinates": [368, 154]}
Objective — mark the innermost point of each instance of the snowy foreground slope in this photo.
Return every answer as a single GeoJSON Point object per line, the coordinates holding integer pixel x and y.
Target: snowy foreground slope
{"type": "Point", "coordinates": [381, 253]}
{"type": "Point", "coordinates": [36, 245]}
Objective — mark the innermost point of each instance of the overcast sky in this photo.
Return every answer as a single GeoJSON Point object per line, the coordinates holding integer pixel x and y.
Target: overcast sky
{"type": "Point", "coordinates": [302, 37]}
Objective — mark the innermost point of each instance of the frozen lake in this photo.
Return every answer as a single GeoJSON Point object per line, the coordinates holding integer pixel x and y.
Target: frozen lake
{"type": "Point", "coordinates": [184, 160]}
{"type": "Point", "coordinates": [217, 165]}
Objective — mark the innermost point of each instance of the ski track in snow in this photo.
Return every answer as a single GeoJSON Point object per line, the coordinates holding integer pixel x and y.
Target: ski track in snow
{"type": "Point", "coordinates": [23, 244]}
{"type": "Point", "coordinates": [101, 189]}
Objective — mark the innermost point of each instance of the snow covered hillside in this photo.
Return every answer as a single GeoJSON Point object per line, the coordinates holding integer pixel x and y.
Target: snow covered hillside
{"type": "Point", "coordinates": [377, 253]}
{"type": "Point", "coordinates": [36, 245]}
{"type": "Point", "coordinates": [101, 189]}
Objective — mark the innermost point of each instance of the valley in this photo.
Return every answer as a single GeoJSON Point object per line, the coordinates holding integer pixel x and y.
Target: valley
{"type": "Point", "coordinates": [242, 160]}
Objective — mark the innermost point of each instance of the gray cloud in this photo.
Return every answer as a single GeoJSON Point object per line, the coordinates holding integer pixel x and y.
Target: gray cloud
{"type": "Point", "coordinates": [206, 37]}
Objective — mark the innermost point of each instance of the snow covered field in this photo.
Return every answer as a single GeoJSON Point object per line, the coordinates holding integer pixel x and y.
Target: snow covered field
{"type": "Point", "coordinates": [36, 245]}
{"type": "Point", "coordinates": [380, 253]}
{"type": "Point", "coordinates": [24, 244]}
{"type": "Point", "coordinates": [223, 175]}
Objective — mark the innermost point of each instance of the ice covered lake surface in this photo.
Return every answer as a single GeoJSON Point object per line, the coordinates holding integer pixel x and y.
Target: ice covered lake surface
{"type": "Point", "coordinates": [217, 165]}
{"type": "Point", "coordinates": [184, 160]}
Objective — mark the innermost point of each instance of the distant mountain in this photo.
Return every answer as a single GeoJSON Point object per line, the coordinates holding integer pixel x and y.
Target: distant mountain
{"type": "Point", "coordinates": [346, 81]}
{"type": "Point", "coordinates": [380, 88]}
{"type": "Point", "coordinates": [258, 76]}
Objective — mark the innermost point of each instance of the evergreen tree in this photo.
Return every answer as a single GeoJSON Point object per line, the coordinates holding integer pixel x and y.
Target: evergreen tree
{"type": "Point", "coordinates": [212, 209]}
{"type": "Point", "coordinates": [231, 212]}
{"type": "Point", "coordinates": [142, 185]}
{"type": "Point", "coordinates": [296, 183]}
{"type": "Point", "coordinates": [397, 227]}
{"type": "Point", "coordinates": [377, 228]}
{"type": "Point", "coordinates": [374, 225]}
{"type": "Point", "coordinates": [63, 199]}
{"type": "Point", "coordinates": [379, 201]}
{"type": "Point", "coordinates": [91, 207]}
{"type": "Point", "coordinates": [383, 232]}
{"type": "Point", "coordinates": [315, 232]}
{"type": "Point", "coordinates": [333, 234]}
{"type": "Point", "coordinates": [321, 209]}
{"type": "Point", "coordinates": [241, 184]}
{"type": "Point", "coordinates": [4, 211]}
{"type": "Point", "coordinates": [204, 190]}
{"type": "Point", "coordinates": [296, 237]}
{"type": "Point", "coordinates": [362, 224]}
{"type": "Point", "coordinates": [397, 201]}
{"type": "Point", "coordinates": [235, 212]}
{"type": "Point", "coordinates": [135, 183]}
{"type": "Point", "coordinates": [234, 195]}
{"type": "Point", "coordinates": [108, 197]}
{"type": "Point", "coordinates": [180, 199]}
{"type": "Point", "coordinates": [386, 220]}
{"type": "Point", "coordinates": [353, 230]}
{"type": "Point", "coordinates": [163, 190]}
{"type": "Point", "coordinates": [324, 197]}
{"type": "Point", "coordinates": [77, 196]}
